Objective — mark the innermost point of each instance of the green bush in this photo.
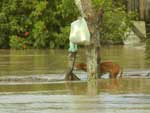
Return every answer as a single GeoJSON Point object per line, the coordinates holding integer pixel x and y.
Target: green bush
{"type": "Point", "coordinates": [46, 24]}
{"type": "Point", "coordinates": [40, 35]}
{"type": "Point", "coordinates": [62, 38]}
{"type": "Point", "coordinates": [18, 42]}
{"type": "Point", "coordinates": [116, 21]}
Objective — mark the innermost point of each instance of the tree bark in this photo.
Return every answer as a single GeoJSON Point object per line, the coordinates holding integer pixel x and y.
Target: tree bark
{"type": "Point", "coordinates": [142, 9]}
{"type": "Point", "coordinates": [129, 5]}
{"type": "Point", "coordinates": [93, 50]}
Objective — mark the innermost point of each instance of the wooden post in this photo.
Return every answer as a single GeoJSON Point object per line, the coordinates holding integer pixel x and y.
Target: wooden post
{"type": "Point", "coordinates": [129, 5]}
{"type": "Point", "coordinates": [136, 5]}
{"type": "Point", "coordinates": [147, 11]}
{"type": "Point", "coordinates": [69, 74]}
{"type": "Point", "coordinates": [142, 9]}
{"type": "Point", "coordinates": [93, 50]}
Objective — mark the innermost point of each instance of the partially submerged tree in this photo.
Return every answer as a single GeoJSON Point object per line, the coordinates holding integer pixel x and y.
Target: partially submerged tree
{"type": "Point", "coordinates": [93, 49]}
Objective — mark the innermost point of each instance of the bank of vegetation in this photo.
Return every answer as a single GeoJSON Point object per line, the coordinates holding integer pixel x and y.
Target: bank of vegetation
{"type": "Point", "coordinates": [26, 24]}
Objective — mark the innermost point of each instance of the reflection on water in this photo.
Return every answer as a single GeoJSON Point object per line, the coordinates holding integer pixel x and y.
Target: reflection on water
{"type": "Point", "coordinates": [148, 51]}
{"type": "Point", "coordinates": [45, 103]}
{"type": "Point", "coordinates": [27, 62]}
{"type": "Point", "coordinates": [129, 57]}
{"type": "Point", "coordinates": [112, 96]}
{"type": "Point", "coordinates": [34, 83]}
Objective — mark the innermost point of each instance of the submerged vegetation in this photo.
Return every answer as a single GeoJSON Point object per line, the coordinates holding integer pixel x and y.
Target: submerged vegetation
{"type": "Point", "coordinates": [46, 24]}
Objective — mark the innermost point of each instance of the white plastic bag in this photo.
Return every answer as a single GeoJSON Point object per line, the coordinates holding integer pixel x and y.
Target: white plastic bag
{"type": "Point", "coordinates": [79, 32]}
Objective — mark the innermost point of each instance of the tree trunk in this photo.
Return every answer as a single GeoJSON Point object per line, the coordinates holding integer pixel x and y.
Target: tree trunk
{"type": "Point", "coordinates": [93, 50]}
{"type": "Point", "coordinates": [142, 9]}
{"type": "Point", "coordinates": [129, 5]}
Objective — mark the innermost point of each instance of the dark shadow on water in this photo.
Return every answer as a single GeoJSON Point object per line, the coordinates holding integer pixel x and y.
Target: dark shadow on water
{"type": "Point", "coordinates": [147, 51]}
{"type": "Point", "coordinates": [55, 82]}
{"type": "Point", "coordinates": [114, 86]}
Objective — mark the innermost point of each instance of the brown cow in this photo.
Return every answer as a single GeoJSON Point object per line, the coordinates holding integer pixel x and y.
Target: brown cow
{"type": "Point", "coordinates": [113, 69]}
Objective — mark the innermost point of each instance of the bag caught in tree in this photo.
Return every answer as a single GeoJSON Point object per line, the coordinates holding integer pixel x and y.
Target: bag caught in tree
{"type": "Point", "coordinates": [79, 32]}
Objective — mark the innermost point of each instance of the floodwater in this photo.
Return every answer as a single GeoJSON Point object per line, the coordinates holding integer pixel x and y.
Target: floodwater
{"type": "Point", "coordinates": [32, 81]}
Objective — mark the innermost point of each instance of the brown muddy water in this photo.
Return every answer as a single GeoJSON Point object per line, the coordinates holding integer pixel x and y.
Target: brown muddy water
{"type": "Point", "coordinates": [31, 81]}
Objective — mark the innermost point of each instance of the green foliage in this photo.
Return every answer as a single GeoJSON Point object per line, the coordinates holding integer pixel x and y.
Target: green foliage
{"type": "Point", "coordinates": [40, 35]}
{"type": "Point", "coordinates": [46, 24]}
{"type": "Point", "coordinates": [61, 39]}
{"type": "Point", "coordinates": [98, 3]}
{"type": "Point", "coordinates": [116, 21]}
{"type": "Point", "coordinates": [18, 42]}
{"type": "Point", "coordinates": [65, 13]}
